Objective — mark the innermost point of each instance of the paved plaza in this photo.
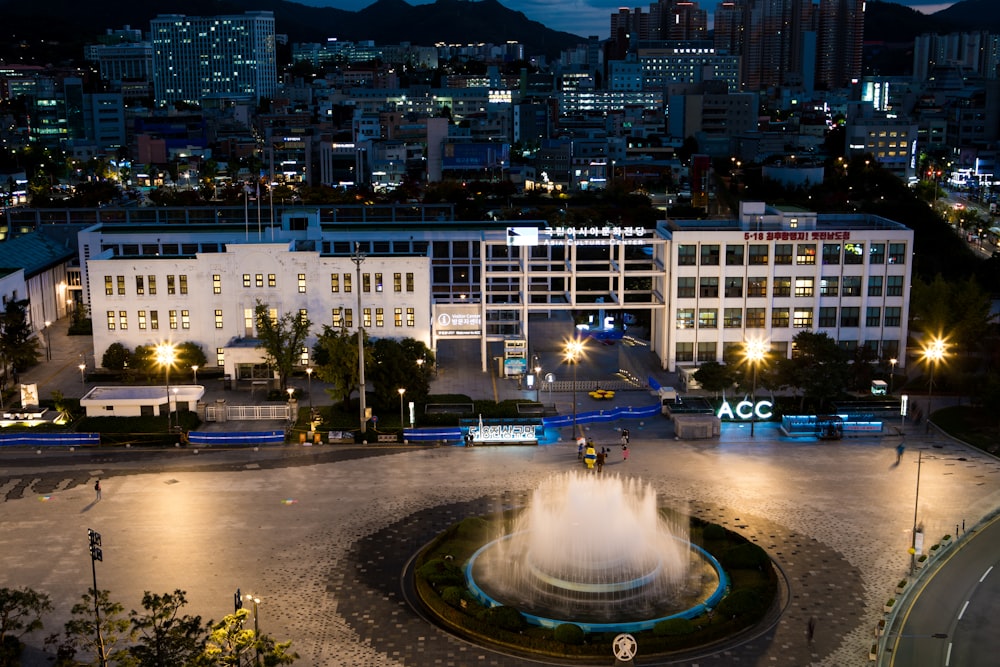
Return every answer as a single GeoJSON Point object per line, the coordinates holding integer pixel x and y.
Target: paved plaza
{"type": "Point", "coordinates": [321, 534]}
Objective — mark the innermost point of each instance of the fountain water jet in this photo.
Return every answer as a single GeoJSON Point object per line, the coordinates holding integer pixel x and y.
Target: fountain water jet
{"type": "Point", "coordinates": [596, 551]}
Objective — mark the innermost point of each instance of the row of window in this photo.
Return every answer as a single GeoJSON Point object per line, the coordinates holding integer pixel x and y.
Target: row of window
{"type": "Point", "coordinates": [341, 318]}
{"type": "Point", "coordinates": [709, 350]}
{"type": "Point", "coordinates": [179, 283]}
{"type": "Point", "coordinates": [800, 318]}
{"type": "Point", "coordinates": [788, 253]}
{"type": "Point", "coordinates": [707, 287]}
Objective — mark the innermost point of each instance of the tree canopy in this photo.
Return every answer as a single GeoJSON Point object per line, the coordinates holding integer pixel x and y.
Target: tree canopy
{"type": "Point", "coordinates": [282, 339]}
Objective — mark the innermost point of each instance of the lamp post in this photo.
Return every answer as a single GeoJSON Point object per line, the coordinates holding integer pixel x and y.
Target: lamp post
{"type": "Point", "coordinates": [309, 388]}
{"type": "Point", "coordinates": [166, 353]}
{"type": "Point", "coordinates": [571, 353]}
{"type": "Point", "coordinates": [916, 503]}
{"type": "Point", "coordinates": [256, 627]}
{"type": "Point", "coordinates": [358, 258]}
{"type": "Point", "coordinates": [934, 352]}
{"type": "Point", "coordinates": [402, 420]}
{"type": "Point", "coordinates": [538, 383]}
{"type": "Point", "coordinates": [754, 352]}
{"type": "Point", "coordinates": [194, 369]}
{"type": "Point", "coordinates": [48, 346]}
{"type": "Point", "coordinates": [83, 374]}
{"type": "Point", "coordinates": [892, 371]}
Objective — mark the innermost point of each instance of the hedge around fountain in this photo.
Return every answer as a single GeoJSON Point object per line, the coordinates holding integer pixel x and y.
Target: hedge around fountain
{"type": "Point", "coordinates": [439, 581]}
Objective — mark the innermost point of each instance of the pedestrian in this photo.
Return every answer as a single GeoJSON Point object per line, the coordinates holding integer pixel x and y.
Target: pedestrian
{"type": "Point", "coordinates": [579, 449]}
{"type": "Point", "coordinates": [811, 628]}
{"type": "Point", "coordinates": [900, 448]}
{"type": "Point", "coordinates": [590, 457]}
{"type": "Point", "coordinates": [97, 488]}
{"type": "Point", "coordinates": [601, 457]}
{"type": "Point", "coordinates": [625, 435]}
{"type": "Point", "coordinates": [625, 452]}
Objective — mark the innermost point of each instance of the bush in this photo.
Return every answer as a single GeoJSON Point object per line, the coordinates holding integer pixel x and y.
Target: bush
{"type": "Point", "coordinates": [505, 618]}
{"type": "Point", "coordinates": [714, 531]}
{"type": "Point", "coordinates": [473, 528]}
{"type": "Point", "coordinates": [569, 633]}
{"type": "Point", "coordinates": [742, 603]}
{"type": "Point", "coordinates": [453, 595]}
{"type": "Point", "coordinates": [673, 627]}
{"type": "Point", "coordinates": [745, 556]}
{"type": "Point", "coordinates": [440, 572]}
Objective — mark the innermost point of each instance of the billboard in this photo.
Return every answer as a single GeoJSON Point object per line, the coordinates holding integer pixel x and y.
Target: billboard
{"type": "Point", "coordinates": [478, 155]}
{"type": "Point", "coordinates": [457, 319]}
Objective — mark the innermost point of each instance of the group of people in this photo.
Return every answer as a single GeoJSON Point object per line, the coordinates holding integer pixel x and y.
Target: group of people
{"type": "Point", "coordinates": [587, 452]}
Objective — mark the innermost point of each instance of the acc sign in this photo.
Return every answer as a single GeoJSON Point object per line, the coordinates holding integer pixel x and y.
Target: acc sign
{"type": "Point", "coordinates": [746, 410]}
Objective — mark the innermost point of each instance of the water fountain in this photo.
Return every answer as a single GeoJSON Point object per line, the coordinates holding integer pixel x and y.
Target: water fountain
{"type": "Point", "coordinates": [595, 550]}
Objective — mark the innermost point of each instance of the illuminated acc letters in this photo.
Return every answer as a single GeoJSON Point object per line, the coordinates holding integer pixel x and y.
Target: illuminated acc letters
{"type": "Point", "coordinates": [746, 410]}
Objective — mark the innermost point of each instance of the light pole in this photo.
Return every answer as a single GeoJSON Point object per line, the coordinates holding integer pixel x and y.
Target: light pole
{"type": "Point", "coordinates": [572, 351]}
{"type": "Point", "coordinates": [916, 503]}
{"type": "Point", "coordinates": [309, 388]}
{"type": "Point", "coordinates": [83, 374]}
{"type": "Point", "coordinates": [934, 353]}
{"type": "Point", "coordinates": [256, 627]}
{"type": "Point", "coordinates": [166, 353]}
{"type": "Point", "coordinates": [358, 258]}
{"type": "Point", "coordinates": [194, 369]}
{"type": "Point", "coordinates": [538, 383]}
{"type": "Point", "coordinates": [97, 555]}
{"type": "Point", "coordinates": [754, 352]}
{"type": "Point", "coordinates": [48, 346]}
{"type": "Point", "coordinates": [892, 371]}
{"type": "Point", "coordinates": [402, 420]}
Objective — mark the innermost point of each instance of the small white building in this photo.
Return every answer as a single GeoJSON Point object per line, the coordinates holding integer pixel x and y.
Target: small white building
{"type": "Point", "coordinates": [141, 401]}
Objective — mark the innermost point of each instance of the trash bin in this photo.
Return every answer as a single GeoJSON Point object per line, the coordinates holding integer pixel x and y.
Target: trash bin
{"type": "Point", "coordinates": [317, 439]}
{"type": "Point", "coordinates": [302, 438]}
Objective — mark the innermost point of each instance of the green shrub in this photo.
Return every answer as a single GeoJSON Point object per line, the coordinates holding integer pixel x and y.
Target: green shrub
{"type": "Point", "coordinates": [569, 633]}
{"type": "Point", "coordinates": [453, 595]}
{"type": "Point", "coordinates": [714, 531]}
{"type": "Point", "coordinates": [473, 528]}
{"type": "Point", "coordinates": [745, 556]}
{"type": "Point", "coordinates": [505, 618]}
{"type": "Point", "coordinates": [441, 572]}
{"type": "Point", "coordinates": [744, 603]}
{"type": "Point", "coordinates": [673, 627]}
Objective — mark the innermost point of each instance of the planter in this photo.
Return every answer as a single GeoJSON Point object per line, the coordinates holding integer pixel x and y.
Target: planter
{"type": "Point", "coordinates": [889, 605]}
{"type": "Point", "coordinates": [880, 627]}
{"type": "Point", "coordinates": [921, 561]}
{"type": "Point", "coordinates": [873, 653]}
{"type": "Point", "coordinates": [946, 540]}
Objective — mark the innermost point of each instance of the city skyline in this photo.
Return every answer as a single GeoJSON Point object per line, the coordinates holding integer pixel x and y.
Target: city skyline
{"type": "Point", "coordinates": [587, 17]}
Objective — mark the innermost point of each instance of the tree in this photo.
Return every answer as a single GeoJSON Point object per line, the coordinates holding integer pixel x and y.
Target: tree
{"type": "Point", "coordinates": [80, 633]}
{"type": "Point", "coordinates": [232, 645]}
{"type": "Point", "coordinates": [17, 346]}
{"type": "Point", "coordinates": [336, 360]}
{"type": "Point", "coordinates": [166, 639]}
{"type": "Point", "coordinates": [714, 377]}
{"type": "Point", "coordinates": [21, 612]}
{"type": "Point", "coordinates": [819, 369]}
{"type": "Point", "coordinates": [281, 339]}
{"type": "Point", "coordinates": [116, 357]}
{"type": "Point", "coordinates": [190, 354]}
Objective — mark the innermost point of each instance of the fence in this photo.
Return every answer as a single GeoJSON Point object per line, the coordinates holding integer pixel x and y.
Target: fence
{"type": "Point", "coordinates": [207, 439]}
{"type": "Point", "coordinates": [49, 439]}
{"type": "Point", "coordinates": [222, 413]}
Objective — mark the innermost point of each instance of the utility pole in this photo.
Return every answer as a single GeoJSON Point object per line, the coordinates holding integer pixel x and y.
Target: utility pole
{"type": "Point", "coordinates": [358, 258]}
{"type": "Point", "coordinates": [97, 555]}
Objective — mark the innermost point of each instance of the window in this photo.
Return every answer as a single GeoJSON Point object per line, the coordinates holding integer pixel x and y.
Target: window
{"type": "Point", "coordinates": [709, 288]}
{"type": "Point", "coordinates": [397, 317]}
{"type": "Point", "coordinates": [782, 286]}
{"type": "Point", "coordinates": [805, 253]}
{"type": "Point", "coordinates": [142, 320]}
{"type": "Point", "coordinates": [852, 286]}
{"type": "Point", "coordinates": [802, 318]}
{"type": "Point", "coordinates": [154, 320]}
{"type": "Point", "coordinates": [874, 285]}
{"type": "Point", "coordinates": [685, 351]}
{"type": "Point", "coordinates": [183, 280]}
{"type": "Point", "coordinates": [171, 285]}
{"type": "Point", "coordinates": [272, 280]}
{"type": "Point", "coordinates": [378, 282]}
{"type": "Point", "coordinates": [685, 288]}
{"type": "Point", "coordinates": [890, 348]}
{"type": "Point", "coordinates": [876, 253]}
{"type": "Point", "coordinates": [783, 253]}
{"type": "Point", "coordinates": [734, 255]}
{"type": "Point", "coordinates": [337, 321]}
{"type": "Point", "coordinates": [756, 318]}
{"type": "Point", "coordinates": [803, 287]}
{"type": "Point", "coordinates": [708, 318]}
{"type": "Point", "coordinates": [873, 316]}
{"type": "Point", "coordinates": [686, 255]}
{"type": "Point", "coordinates": [849, 346]}
{"type": "Point", "coordinates": [758, 255]}
{"type": "Point", "coordinates": [685, 318]}
{"type": "Point", "coordinates": [893, 316]}
{"type": "Point", "coordinates": [831, 253]}
{"type": "Point", "coordinates": [246, 280]}
{"type": "Point", "coordinates": [897, 253]}
{"type": "Point", "coordinates": [220, 356]}
{"type": "Point", "coordinates": [379, 317]}
{"type": "Point", "coordinates": [411, 317]}
{"type": "Point", "coordinates": [894, 285]}
{"type": "Point", "coordinates": [347, 282]}
{"type": "Point", "coordinates": [152, 284]}
{"type": "Point", "coordinates": [849, 316]}
{"type": "Point", "coordinates": [111, 320]}
{"type": "Point", "coordinates": [304, 356]}
{"type": "Point", "coordinates": [248, 321]}
{"type": "Point", "coordinates": [185, 319]}
{"type": "Point", "coordinates": [779, 318]}
{"type": "Point", "coordinates": [258, 280]}
{"type": "Point", "coordinates": [366, 282]}
{"type": "Point", "coordinates": [349, 318]}
{"type": "Point", "coordinates": [397, 282]}
{"type": "Point", "coordinates": [216, 283]}
{"type": "Point", "coordinates": [218, 318]}
{"type": "Point", "coordinates": [828, 316]}
{"type": "Point", "coordinates": [334, 282]}
{"type": "Point", "coordinates": [734, 287]}
{"type": "Point", "coordinates": [123, 319]}
{"type": "Point", "coordinates": [366, 318]}
{"type": "Point", "coordinates": [829, 286]}
{"type": "Point", "coordinates": [854, 253]}
{"type": "Point", "coordinates": [302, 283]}
{"type": "Point", "coordinates": [139, 286]}
{"type": "Point", "coordinates": [109, 287]}
{"type": "Point", "coordinates": [732, 318]}
{"type": "Point", "coordinates": [706, 351]}
{"type": "Point", "coordinates": [121, 285]}
{"type": "Point", "coordinates": [756, 286]}
{"type": "Point", "coordinates": [709, 254]}
{"type": "Point", "coordinates": [409, 282]}
{"type": "Point", "coordinates": [172, 315]}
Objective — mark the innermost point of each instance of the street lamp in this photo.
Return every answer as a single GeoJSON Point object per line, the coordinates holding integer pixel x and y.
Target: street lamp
{"type": "Point", "coordinates": [194, 369]}
{"type": "Point", "coordinates": [892, 371]}
{"type": "Point", "coordinates": [83, 374]}
{"type": "Point", "coordinates": [309, 388]}
{"type": "Point", "coordinates": [166, 354]}
{"type": "Point", "coordinates": [48, 346]}
{"type": "Point", "coordinates": [754, 352]}
{"type": "Point", "coordinates": [256, 627]}
{"type": "Point", "coordinates": [402, 421]}
{"type": "Point", "coordinates": [358, 258]}
{"type": "Point", "coordinates": [916, 503]}
{"type": "Point", "coordinates": [538, 383]}
{"type": "Point", "coordinates": [572, 351]}
{"type": "Point", "coordinates": [934, 352]}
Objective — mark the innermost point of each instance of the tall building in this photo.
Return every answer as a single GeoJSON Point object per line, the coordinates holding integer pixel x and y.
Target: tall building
{"type": "Point", "coordinates": [198, 57]}
{"type": "Point", "coordinates": [841, 32]}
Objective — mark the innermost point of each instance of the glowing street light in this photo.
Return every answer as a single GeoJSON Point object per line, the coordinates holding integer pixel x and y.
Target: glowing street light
{"type": "Point", "coordinates": [194, 369]}
{"type": "Point", "coordinates": [892, 372]}
{"type": "Point", "coordinates": [48, 342]}
{"type": "Point", "coordinates": [572, 351]}
{"type": "Point", "coordinates": [402, 421]}
{"type": "Point", "coordinates": [934, 352]}
{"type": "Point", "coordinates": [754, 352]}
{"type": "Point", "coordinates": [165, 355]}
{"type": "Point", "coordinates": [256, 627]}
{"type": "Point", "coordinates": [83, 374]}
{"type": "Point", "coordinates": [309, 388]}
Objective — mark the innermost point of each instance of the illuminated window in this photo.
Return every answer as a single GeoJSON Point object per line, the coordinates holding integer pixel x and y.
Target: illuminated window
{"type": "Point", "coordinates": [783, 253]}
{"type": "Point", "coordinates": [259, 279]}
{"type": "Point", "coordinates": [303, 315]}
{"type": "Point", "coordinates": [757, 286]}
{"type": "Point", "coordinates": [398, 317]}
{"type": "Point", "coordinates": [139, 286]}
{"type": "Point", "coordinates": [246, 280]}
{"type": "Point", "coordinates": [183, 279]}
{"type": "Point", "coordinates": [366, 282]}
{"type": "Point", "coordinates": [185, 319]}
{"type": "Point", "coordinates": [378, 282]}
{"type": "Point", "coordinates": [337, 318]}
{"type": "Point", "coordinates": [851, 286]}
{"type": "Point", "coordinates": [397, 282]}
{"type": "Point", "coordinates": [172, 315]}
{"type": "Point", "coordinates": [756, 318]}
{"type": "Point", "coordinates": [708, 318]}
{"type": "Point", "coordinates": [171, 285]}
{"type": "Point", "coordinates": [349, 318]}
{"type": "Point", "coordinates": [366, 318]}
{"type": "Point", "coordinates": [779, 318]}
{"type": "Point", "coordinates": [411, 317]}
{"type": "Point", "coordinates": [220, 356]}
{"type": "Point", "coordinates": [218, 318]}
{"type": "Point", "coordinates": [111, 320]}
{"type": "Point", "coordinates": [302, 283]}
{"type": "Point", "coordinates": [272, 280]}
{"type": "Point", "coordinates": [829, 285]}
{"type": "Point", "coordinates": [152, 284]}
{"type": "Point", "coordinates": [758, 255]}
{"type": "Point", "coordinates": [782, 286]}
{"type": "Point", "coordinates": [216, 284]}
{"type": "Point", "coordinates": [379, 317]}
{"type": "Point", "coordinates": [154, 320]}
{"type": "Point", "coordinates": [805, 253]}
{"type": "Point", "coordinates": [803, 287]}
{"type": "Point", "coordinates": [732, 318]}
{"type": "Point", "coordinates": [334, 282]}
{"type": "Point", "coordinates": [142, 320]}
{"type": "Point", "coordinates": [409, 282]}
{"type": "Point", "coordinates": [121, 284]}
{"type": "Point", "coordinates": [109, 287]}
{"type": "Point", "coordinates": [803, 318]}
{"type": "Point", "coordinates": [347, 282]}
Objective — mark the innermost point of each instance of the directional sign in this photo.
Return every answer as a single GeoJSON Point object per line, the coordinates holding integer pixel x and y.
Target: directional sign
{"type": "Point", "coordinates": [526, 236]}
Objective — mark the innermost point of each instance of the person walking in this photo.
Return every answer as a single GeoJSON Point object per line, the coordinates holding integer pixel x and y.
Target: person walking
{"type": "Point", "coordinates": [601, 457]}
{"type": "Point", "coordinates": [900, 448]}
{"type": "Point", "coordinates": [625, 452]}
{"type": "Point", "coordinates": [97, 488]}
{"type": "Point", "coordinates": [625, 436]}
